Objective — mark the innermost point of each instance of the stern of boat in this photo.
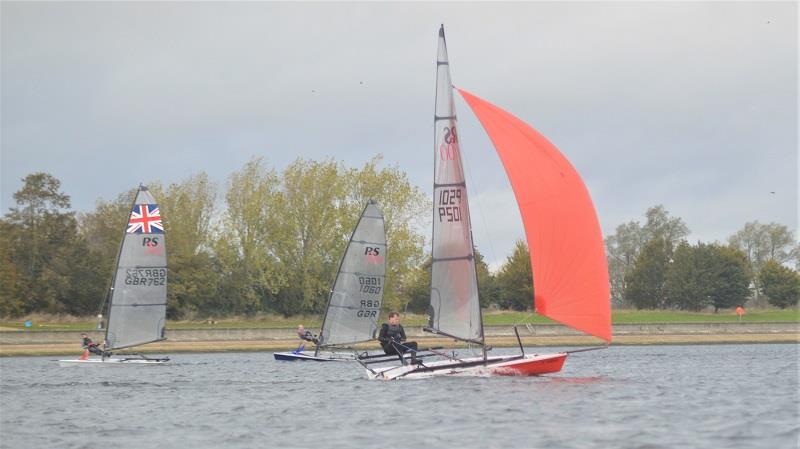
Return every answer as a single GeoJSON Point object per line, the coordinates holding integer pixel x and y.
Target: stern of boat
{"type": "Point", "coordinates": [531, 365]}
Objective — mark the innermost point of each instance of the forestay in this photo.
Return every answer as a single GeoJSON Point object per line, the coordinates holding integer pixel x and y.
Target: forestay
{"type": "Point", "coordinates": [355, 302]}
{"type": "Point", "coordinates": [138, 302]}
{"type": "Point", "coordinates": [454, 288]}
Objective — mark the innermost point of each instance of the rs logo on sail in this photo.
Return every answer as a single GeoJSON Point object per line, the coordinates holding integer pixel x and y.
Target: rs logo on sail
{"type": "Point", "coordinates": [151, 246]}
{"type": "Point", "coordinates": [449, 148]}
{"type": "Point", "coordinates": [150, 241]}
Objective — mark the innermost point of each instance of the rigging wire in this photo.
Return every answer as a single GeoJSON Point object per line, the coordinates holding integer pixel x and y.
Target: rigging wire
{"type": "Point", "coordinates": [473, 181]}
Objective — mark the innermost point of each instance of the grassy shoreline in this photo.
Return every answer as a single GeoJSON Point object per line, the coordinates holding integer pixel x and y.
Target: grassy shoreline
{"type": "Point", "coordinates": [490, 318]}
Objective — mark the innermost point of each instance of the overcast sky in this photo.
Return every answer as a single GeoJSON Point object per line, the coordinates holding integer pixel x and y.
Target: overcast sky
{"type": "Point", "coordinates": [686, 104]}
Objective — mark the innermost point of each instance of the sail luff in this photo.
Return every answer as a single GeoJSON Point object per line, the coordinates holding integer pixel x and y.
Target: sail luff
{"type": "Point", "coordinates": [570, 272]}
{"type": "Point", "coordinates": [455, 308]}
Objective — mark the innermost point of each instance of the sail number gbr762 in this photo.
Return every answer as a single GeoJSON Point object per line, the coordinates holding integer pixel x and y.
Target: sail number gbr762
{"type": "Point", "coordinates": [449, 205]}
{"type": "Point", "coordinates": [146, 276]}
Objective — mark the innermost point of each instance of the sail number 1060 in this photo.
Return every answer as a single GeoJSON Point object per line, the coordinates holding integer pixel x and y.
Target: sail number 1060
{"type": "Point", "coordinates": [369, 284]}
{"type": "Point", "coordinates": [450, 205]}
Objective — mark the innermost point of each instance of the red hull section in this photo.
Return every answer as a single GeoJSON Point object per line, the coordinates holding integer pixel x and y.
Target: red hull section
{"type": "Point", "coordinates": [531, 367]}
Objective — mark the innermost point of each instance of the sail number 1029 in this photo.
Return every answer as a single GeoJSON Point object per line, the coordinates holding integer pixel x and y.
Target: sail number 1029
{"type": "Point", "coordinates": [449, 205]}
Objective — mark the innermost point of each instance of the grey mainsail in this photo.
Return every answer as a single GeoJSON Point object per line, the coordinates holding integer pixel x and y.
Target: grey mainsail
{"type": "Point", "coordinates": [355, 301]}
{"type": "Point", "coordinates": [455, 309]}
{"type": "Point", "coordinates": [138, 301]}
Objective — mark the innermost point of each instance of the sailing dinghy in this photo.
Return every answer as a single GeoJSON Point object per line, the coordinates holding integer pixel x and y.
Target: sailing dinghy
{"type": "Point", "coordinates": [137, 301]}
{"type": "Point", "coordinates": [354, 304]}
{"type": "Point", "coordinates": [566, 245]}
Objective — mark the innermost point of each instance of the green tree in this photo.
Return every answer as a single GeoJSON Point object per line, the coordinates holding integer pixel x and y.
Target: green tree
{"type": "Point", "coordinates": [730, 277]}
{"type": "Point", "coordinates": [41, 234]}
{"type": "Point", "coordinates": [660, 225]}
{"type": "Point", "coordinates": [685, 279]}
{"type": "Point", "coordinates": [707, 276]}
{"type": "Point", "coordinates": [780, 284]}
{"type": "Point", "coordinates": [417, 288]}
{"type": "Point", "coordinates": [762, 243]}
{"type": "Point", "coordinates": [514, 281]}
{"type": "Point", "coordinates": [187, 209]}
{"type": "Point", "coordinates": [487, 285]}
{"type": "Point", "coordinates": [623, 247]}
{"type": "Point", "coordinates": [102, 231]}
{"type": "Point", "coordinates": [646, 281]}
{"type": "Point", "coordinates": [313, 229]}
{"type": "Point", "coordinates": [245, 245]}
{"type": "Point", "coordinates": [12, 303]}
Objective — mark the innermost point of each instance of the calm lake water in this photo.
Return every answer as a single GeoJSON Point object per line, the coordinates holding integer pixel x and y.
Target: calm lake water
{"type": "Point", "coordinates": [722, 396]}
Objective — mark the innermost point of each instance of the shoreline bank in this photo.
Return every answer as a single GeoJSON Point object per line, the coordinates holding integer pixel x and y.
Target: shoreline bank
{"type": "Point", "coordinates": [42, 343]}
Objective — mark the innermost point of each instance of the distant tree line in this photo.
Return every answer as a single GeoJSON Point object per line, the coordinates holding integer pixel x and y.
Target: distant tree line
{"type": "Point", "coordinates": [653, 266]}
{"type": "Point", "coordinates": [271, 242]}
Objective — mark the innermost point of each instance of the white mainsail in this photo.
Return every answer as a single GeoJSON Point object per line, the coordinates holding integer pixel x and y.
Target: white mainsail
{"type": "Point", "coordinates": [455, 309]}
{"type": "Point", "coordinates": [138, 300]}
{"type": "Point", "coordinates": [355, 301]}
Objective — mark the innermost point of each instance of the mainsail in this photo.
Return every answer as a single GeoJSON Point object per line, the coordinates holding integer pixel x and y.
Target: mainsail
{"type": "Point", "coordinates": [454, 287]}
{"type": "Point", "coordinates": [355, 301]}
{"type": "Point", "coordinates": [570, 274]}
{"type": "Point", "coordinates": [138, 302]}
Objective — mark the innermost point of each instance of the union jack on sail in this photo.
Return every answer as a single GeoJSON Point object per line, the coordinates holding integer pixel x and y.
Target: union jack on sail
{"type": "Point", "coordinates": [145, 219]}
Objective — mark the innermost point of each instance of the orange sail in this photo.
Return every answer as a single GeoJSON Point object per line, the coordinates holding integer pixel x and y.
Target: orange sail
{"type": "Point", "coordinates": [570, 273]}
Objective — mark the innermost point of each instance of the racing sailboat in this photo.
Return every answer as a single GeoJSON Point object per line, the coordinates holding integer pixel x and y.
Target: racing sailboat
{"type": "Point", "coordinates": [137, 300]}
{"type": "Point", "coordinates": [566, 245]}
{"type": "Point", "coordinates": [354, 304]}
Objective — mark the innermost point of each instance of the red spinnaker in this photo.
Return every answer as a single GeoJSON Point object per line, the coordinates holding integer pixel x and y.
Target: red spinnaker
{"type": "Point", "coordinates": [570, 273]}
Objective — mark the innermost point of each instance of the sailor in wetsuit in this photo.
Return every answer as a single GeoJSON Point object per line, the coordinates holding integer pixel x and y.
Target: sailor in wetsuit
{"type": "Point", "coordinates": [393, 338]}
{"type": "Point", "coordinates": [93, 347]}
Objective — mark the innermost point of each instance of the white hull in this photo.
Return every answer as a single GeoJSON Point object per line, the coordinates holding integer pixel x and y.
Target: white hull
{"type": "Point", "coordinates": [513, 365]}
{"type": "Point", "coordinates": [113, 362]}
{"type": "Point", "coordinates": [309, 356]}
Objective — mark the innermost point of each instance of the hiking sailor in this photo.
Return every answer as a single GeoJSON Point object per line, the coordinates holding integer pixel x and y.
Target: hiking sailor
{"type": "Point", "coordinates": [393, 338]}
{"type": "Point", "coordinates": [305, 335]}
{"type": "Point", "coordinates": [91, 346]}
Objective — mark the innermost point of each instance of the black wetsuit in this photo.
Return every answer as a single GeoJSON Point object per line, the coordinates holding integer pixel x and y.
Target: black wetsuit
{"type": "Point", "coordinates": [92, 346]}
{"type": "Point", "coordinates": [393, 339]}
{"type": "Point", "coordinates": [308, 336]}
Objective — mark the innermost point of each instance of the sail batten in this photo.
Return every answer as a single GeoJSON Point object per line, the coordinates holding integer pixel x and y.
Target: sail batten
{"type": "Point", "coordinates": [570, 273]}
{"type": "Point", "coordinates": [355, 300]}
